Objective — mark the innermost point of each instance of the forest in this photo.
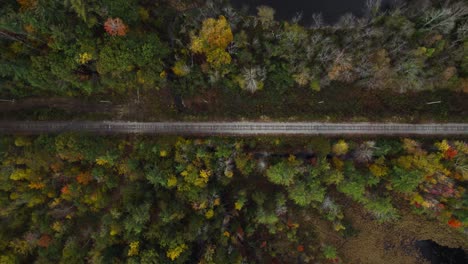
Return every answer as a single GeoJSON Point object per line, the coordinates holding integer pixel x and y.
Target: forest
{"type": "Point", "coordinates": [196, 58]}
{"type": "Point", "coordinates": [74, 198]}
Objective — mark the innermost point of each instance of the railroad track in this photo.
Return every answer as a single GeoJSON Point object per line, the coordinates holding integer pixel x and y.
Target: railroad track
{"type": "Point", "coordinates": [231, 128]}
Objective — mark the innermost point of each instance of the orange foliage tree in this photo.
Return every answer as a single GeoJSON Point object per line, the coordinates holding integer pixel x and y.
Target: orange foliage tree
{"type": "Point", "coordinates": [84, 178]}
{"type": "Point", "coordinates": [27, 4]}
{"type": "Point", "coordinates": [115, 27]}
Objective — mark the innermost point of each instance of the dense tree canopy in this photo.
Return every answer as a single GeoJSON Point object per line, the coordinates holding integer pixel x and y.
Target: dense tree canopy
{"type": "Point", "coordinates": [140, 200]}
{"type": "Point", "coordinates": [81, 47]}
{"type": "Point", "coordinates": [73, 198]}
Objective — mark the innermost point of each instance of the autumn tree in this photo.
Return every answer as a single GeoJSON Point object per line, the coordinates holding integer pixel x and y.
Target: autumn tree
{"type": "Point", "coordinates": [340, 147]}
{"type": "Point", "coordinates": [115, 27]}
{"type": "Point", "coordinates": [162, 196]}
{"type": "Point", "coordinates": [212, 40]}
{"type": "Point", "coordinates": [27, 4]}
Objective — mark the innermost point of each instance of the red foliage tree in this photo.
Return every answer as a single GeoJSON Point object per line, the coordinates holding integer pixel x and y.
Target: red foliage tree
{"type": "Point", "coordinates": [115, 27]}
{"type": "Point", "coordinates": [300, 248]}
{"type": "Point", "coordinates": [44, 241]}
{"type": "Point", "coordinates": [65, 189]}
{"type": "Point", "coordinates": [450, 153]}
{"type": "Point", "coordinates": [454, 223]}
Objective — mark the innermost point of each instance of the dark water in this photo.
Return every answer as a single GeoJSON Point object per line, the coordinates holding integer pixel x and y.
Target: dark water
{"type": "Point", "coordinates": [331, 10]}
{"type": "Point", "coordinates": [438, 254]}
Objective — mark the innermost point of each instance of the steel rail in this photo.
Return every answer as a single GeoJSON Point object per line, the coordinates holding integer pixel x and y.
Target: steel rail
{"type": "Point", "coordinates": [231, 128]}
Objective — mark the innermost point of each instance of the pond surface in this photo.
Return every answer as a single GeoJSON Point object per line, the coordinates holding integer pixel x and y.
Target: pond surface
{"type": "Point", "coordinates": [437, 254]}
{"type": "Point", "coordinates": [331, 10]}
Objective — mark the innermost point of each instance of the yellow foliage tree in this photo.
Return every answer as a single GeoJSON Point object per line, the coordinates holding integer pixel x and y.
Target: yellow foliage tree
{"type": "Point", "coordinates": [134, 248]}
{"type": "Point", "coordinates": [174, 253]}
{"type": "Point", "coordinates": [412, 146]}
{"type": "Point", "coordinates": [84, 58]}
{"type": "Point", "coordinates": [209, 214]}
{"type": "Point", "coordinates": [218, 58]}
{"type": "Point", "coordinates": [22, 142]}
{"type": "Point", "coordinates": [205, 174]}
{"type": "Point", "coordinates": [429, 164]}
{"type": "Point", "coordinates": [378, 170]}
{"type": "Point", "coordinates": [172, 181]}
{"type": "Point", "coordinates": [21, 174]}
{"type": "Point", "coordinates": [36, 185]}
{"type": "Point", "coordinates": [101, 161]}
{"type": "Point", "coordinates": [442, 146]}
{"type": "Point", "coordinates": [180, 68]}
{"type": "Point", "coordinates": [340, 148]}
{"type": "Point", "coordinates": [213, 40]}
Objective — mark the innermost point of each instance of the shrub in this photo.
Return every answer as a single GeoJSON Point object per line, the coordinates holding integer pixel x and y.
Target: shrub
{"type": "Point", "coordinates": [329, 252]}
{"type": "Point", "coordinates": [382, 209]}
